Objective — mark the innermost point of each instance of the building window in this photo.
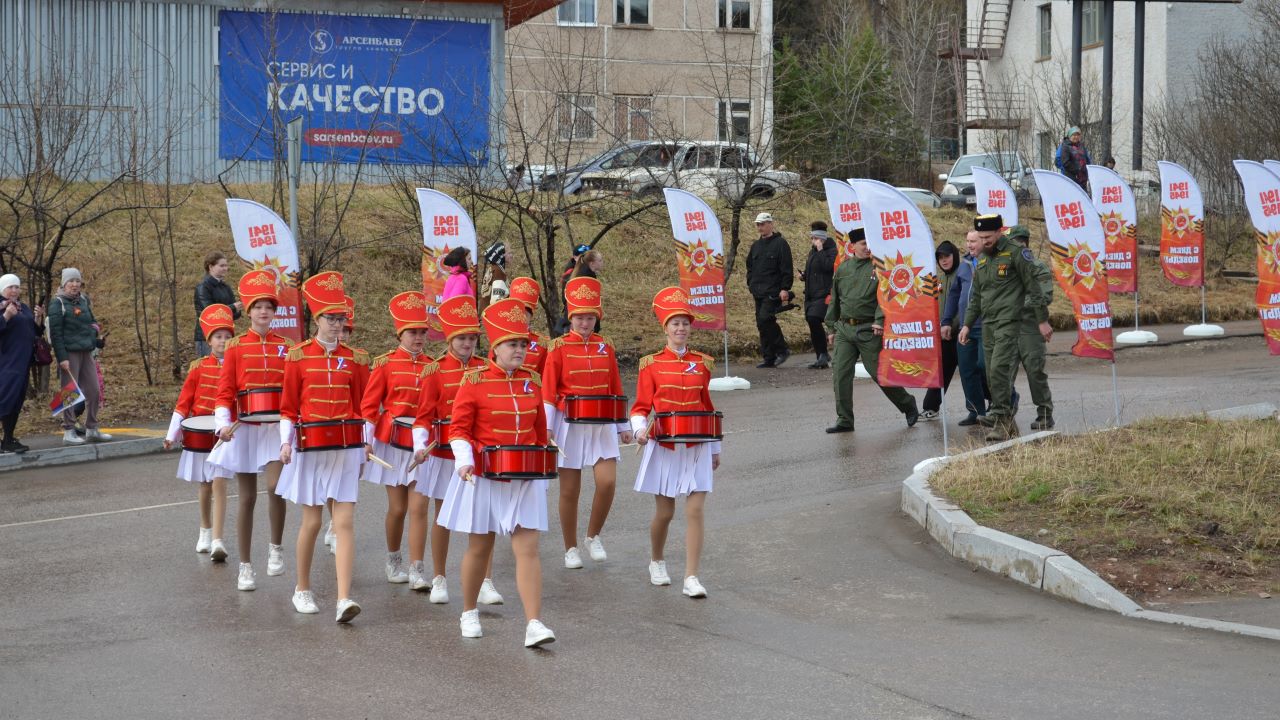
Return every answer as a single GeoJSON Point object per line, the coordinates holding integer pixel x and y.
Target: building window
{"type": "Point", "coordinates": [734, 120]}
{"type": "Point", "coordinates": [1044, 28]}
{"type": "Point", "coordinates": [577, 117]}
{"type": "Point", "coordinates": [576, 12]}
{"type": "Point", "coordinates": [633, 116]}
{"type": "Point", "coordinates": [735, 14]}
{"type": "Point", "coordinates": [631, 12]}
{"type": "Point", "coordinates": [1091, 31]}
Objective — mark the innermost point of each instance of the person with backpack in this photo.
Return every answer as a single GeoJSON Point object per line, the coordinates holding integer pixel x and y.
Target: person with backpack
{"type": "Point", "coordinates": [74, 334]}
{"type": "Point", "coordinates": [1072, 158]}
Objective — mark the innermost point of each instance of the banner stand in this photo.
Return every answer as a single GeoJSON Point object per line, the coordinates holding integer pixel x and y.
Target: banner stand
{"type": "Point", "coordinates": [728, 382]}
{"type": "Point", "coordinates": [1136, 336]}
{"type": "Point", "coordinates": [1204, 329]}
{"type": "Point", "coordinates": [1115, 391]}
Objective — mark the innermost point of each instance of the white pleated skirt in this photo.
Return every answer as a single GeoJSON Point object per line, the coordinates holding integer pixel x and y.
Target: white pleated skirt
{"type": "Point", "coordinates": [582, 444]}
{"type": "Point", "coordinates": [491, 506]}
{"type": "Point", "coordinates": [672, 473]}
{"type": "Point", "coordinates": [250, 449]}
{"type": "Point", "coordinates": [320, 475]}
{"type": "Point", "coordinates": [434, 476]}
{"type": "Point", "coordinates": [195, 467]}
{"type": "Point", "coordinates": [400, 461]}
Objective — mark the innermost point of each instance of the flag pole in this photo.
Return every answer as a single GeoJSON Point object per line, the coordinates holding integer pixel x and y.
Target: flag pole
{"type": "Point", "coordinates": [1135, 310]}
{"type": "Point", "coordinates": [1115, 391]}
{"type": "Point", "coordinates": [1203, 316]}
{"type": "Point", "coordinates": [726, 350]}
{"type": "Point", "coordinates": [946, 444]}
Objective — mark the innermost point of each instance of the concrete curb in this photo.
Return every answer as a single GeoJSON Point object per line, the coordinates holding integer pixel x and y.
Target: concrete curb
{"type": "Point", "coordinates": [1038, 566]}
{"type": "Point", "coordinates": [88, 452]}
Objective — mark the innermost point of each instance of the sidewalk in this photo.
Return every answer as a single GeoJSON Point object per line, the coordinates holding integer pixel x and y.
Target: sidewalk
{"type": "Point", "coordinates": [48, 449]}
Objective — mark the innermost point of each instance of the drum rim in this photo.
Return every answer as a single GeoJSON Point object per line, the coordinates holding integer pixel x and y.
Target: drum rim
{"type": "Point", "coordinates": [690, 413]}
{"type": "Point", "coordinates": [547, 448]}
{"type": "Point", "coordinates": [259, 418]}
{"type": "Point", "coordinates": [249, 391]}
{"type": "Point", "coordinates": [185, 428]}
{"type": "Point", "coordinates": [623, 398]}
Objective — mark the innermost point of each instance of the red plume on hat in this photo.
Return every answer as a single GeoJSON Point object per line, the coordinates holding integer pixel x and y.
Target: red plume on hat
{"type": "Point", "coordinates": [217, 317]}
{"type": "Point", "coordinates": [324, 294]}
{"type": "Point", "coordinates": [258, 285]}
{"type": "Point", "coordinates": [458, 316]}
{"type": "Point", "coordinates": [670, 302]}
{"type": "Point", "coordinates": [506, 320]}
{"type": "Point", "coordinates": [582, 295]}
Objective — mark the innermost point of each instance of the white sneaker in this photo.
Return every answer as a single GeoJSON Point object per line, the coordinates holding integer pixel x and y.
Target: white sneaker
{"type": "Point", "coordinates": [596, 548]}
{"type": "Point", "coordinates": [440, 590]}
{"type": "Point", "coordinates": [205, 541]}
{"type": "Point", "coordinates": [488, 594]}
{"type": "Point", "coordinates": [304, 602]}
{"type": "Point", "coordinates": [470, 624]}
{"type": "Point", "coordinates": [71, 438]}
{"type": "Point", "coordinates": [395, 569]}
{"type": "Point", "coordinates": [275, 560]}
{"type": "Point", "coordinates": [693, 588]}
{"type": "Point", "coordinates": [245, 581]}
{"type": "Point", "coordinates": [658, 573]}
{"type": "Point", "coordinates": [347, 610]}
{"type": "Point", "coordinates": [217, 551]}
{"type": "Point", "coordinates": [536, 634]}
{"type": "Point", "coordinates": [417, 577]}
{"type": "Point", "coordinates": [96, 435]}
{"type": "Point", "coordinates": [572, 559]}
{"type": "Point", "coordinates": [329, 535]}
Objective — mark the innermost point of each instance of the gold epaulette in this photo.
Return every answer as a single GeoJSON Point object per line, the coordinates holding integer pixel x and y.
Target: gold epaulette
{"type": "Point", "coordinates": [297, 352]}
{"type": "Point", "coordinates": [646, 361]}
{"type": "Point", "coordinates": [234, 341]}
{"type": "Point", "coordinates": [536, 377]}
{"type": "Point", "coordinates": [555, 343]}
{"type": "Point", "coordinates": [194, 364]}
{"type": "Point", "coordinates": [607, 342]}
{"type": "Point", "coordinates": [429, 369]}
{"type": "Point", "coordinates": [380, 360]}
{"type": "Point", "coordinates": [707, 360]}
{"type": "Point", "coordinates": [360, 357]}
{"type": "Point", "coordinates": [472, 376]}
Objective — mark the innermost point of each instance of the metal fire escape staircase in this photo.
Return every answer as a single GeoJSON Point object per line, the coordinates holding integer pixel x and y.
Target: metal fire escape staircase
{"type": "Point", "coordinates": [968, 46]}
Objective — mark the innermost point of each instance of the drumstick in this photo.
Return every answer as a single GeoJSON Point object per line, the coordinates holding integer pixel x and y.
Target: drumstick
{"type": "Point", "coordinates": [379, 460]}
{"type": "Point", "coordinates": [553, 444]}
{"type": "Point", "coordinates": [234, 425]}
{"type": "Point", "coordinates": [415, 462]}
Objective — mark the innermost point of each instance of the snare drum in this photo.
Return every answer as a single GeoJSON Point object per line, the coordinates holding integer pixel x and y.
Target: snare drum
{"type": "Point", "coordinates": [688, 427]}
{"type": "Point", "coordinates": [259, 405]}
{"type": "Point", "coordinates": [330, 435]}
{"type": "Point", "coordinates": [198, 434]}
{"type": "Point", "coordinates": [402, 433]}
{"type": "Point", "coordinates": [440, 436]}
{"type": "Point", "coordinates": [595, 409]}
{"type": "Point", "coordinates": [517, 462]}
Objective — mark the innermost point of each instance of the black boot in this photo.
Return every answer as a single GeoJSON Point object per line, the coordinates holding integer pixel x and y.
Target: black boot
{"type": "Point", "coordinates": [823, 362]}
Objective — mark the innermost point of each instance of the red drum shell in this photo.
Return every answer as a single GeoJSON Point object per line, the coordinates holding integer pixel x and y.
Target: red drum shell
{"type": "Point", "coordinates": [440, 435]}
{"type": "Point", "coordinates": [688, 426]}
{"type": "Point", "coordinates": [258, 405]}
{"type": "Point", "coordinates": [595, 409]}
{"type": "Point", "coordinates": [517, 462]}
{"type": "Point", "coordinates": [198, 435]}
{"type": "Point", "coordinates": [330, 435]}
{"type": "Point", "coordinates": [402, 433]}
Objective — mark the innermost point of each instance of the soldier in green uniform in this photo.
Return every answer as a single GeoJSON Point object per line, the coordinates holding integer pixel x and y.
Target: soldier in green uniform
{"type": "Point", "coordinates": [1003, 285]}
{"type": "Point", "coordinates": [854, 326]}
{"type": "Point", "coordinates": [1031, 342]}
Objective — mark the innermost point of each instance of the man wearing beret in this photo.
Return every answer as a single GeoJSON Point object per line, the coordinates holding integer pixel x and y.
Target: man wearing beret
{"type": "Point", "coordinates": [1004, 284]}
{"type": "Point", "coordinates": [1032, 343]}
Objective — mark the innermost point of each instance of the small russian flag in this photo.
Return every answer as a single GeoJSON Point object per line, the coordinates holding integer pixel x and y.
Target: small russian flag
{"type": "Point", "coordinates": [68, 397]}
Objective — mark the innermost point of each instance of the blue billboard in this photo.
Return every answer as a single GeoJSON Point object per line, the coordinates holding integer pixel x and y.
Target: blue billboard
{"type": "Point", "coordinates": [369, 89]}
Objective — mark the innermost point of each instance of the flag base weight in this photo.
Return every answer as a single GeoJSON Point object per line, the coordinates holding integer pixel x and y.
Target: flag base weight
{"type": "Point", "coordinates": [1203, 330]}
{"type": "Point", "coordinates": [1136, 337]}
{"type": "Point", "coordinates": [860, 371]}
{"type": "Point", "coordinates": [729, 383]}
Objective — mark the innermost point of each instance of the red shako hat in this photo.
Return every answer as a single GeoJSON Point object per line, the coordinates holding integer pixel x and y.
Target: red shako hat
{"type": "Point", "coordinates": [458, 317]}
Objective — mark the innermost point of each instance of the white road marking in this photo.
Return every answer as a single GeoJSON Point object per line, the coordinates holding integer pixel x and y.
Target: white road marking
{"type": "Point", "coordinates": [111, 512]}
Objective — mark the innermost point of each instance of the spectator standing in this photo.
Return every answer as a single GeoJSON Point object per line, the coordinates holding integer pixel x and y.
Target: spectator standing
{"type": "Point", "coordinates": [969, 358]}
{"type": "Point", "coordinates": [20, 324]}
{"type": "Point", "coordinates": [1072, 158]}
{"type": "Point", "coordinates": [562, 323]}
{"type": "Point", "coordinates": [816, 276]}
{"type": "Point", "coordinates": [948, 256]}
{"type": "Point", "coordinates": [74, 331]}
{"type": "Point", "coordinates": [213, 290]}
{"type": "Point", "coordinates": [459, 269]}
{"type": "Point", "coordinates": [495, 276]}
{"type": "Point", "coordinates": [769, 276]}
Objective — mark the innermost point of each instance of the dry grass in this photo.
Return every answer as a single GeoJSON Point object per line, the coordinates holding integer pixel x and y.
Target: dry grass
{"type": "Point", "coordinates": [1183, 503]}
{"type": "Point", "coordinates": [639, 260]}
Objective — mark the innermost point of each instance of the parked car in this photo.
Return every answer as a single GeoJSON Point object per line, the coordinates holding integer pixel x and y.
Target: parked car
{"type": "Point", "coordinates": [959, 191]}
{"type": "Point", "coordinates": [710, 169]}
{"type": "Point", "coordinates": [921, 197]}
{"type": "Point", "coordinates": [569, 180]}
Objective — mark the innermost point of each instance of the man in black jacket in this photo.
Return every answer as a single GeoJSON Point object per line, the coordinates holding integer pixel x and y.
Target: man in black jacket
{"type": "Point", "coordinates": [213, 290]}
{"type": "Point", "coordinates": [817, 273]}
{"type": "Point", "coordinates": [769, 278]}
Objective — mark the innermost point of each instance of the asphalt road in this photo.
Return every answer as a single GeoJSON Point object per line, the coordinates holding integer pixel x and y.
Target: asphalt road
{"type": "Point", "coordinates": [825, 601]}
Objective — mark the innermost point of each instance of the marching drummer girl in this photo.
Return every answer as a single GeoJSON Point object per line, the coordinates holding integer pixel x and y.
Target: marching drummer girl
{"type": "Point", "coordinates": [586, 414]}
{"type": "Point", "coordinates": [389, 406]}
{"type": "Point", "coordinates": [440, 383]}
{"type": "Point", "coordinates": [193, 416]}
{"type": "Point", "coordinates": [348, 331]}
{"type": "Point", "coordinates": [322, 438]}
{"type": "Point", "coordinates": [247, 414]}
{"type": "Point", "coordinates": [500, 405]}
{"type": "Point", "coordinates": [527, 291]}
{"type": "Point", "coordinates": [675, 379]}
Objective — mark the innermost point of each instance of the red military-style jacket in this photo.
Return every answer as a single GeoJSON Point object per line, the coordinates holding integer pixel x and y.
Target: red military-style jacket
{"type": "Point", "coordinates": [200, 389]}
{"type": "Point", "coordinates": [496, 408]}
{"type": "Point", "coordinates": [250, 361]}
{"type": "Point", "coordinates": [440, 383]}
{"type": "Point", "coordinates": [395, 384]}
{"type": "Point", "coordinates": [320, 386]}
{"type": "Point", "coordinates": [535, 359]}
{"type": "Point", "coordinates": [672, 383]}
{"type": "Point", "coordinates": [577, 366]}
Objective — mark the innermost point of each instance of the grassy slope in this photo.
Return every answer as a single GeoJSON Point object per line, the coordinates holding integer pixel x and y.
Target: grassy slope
{"type": "Point", "coordinates": [639, 260]}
